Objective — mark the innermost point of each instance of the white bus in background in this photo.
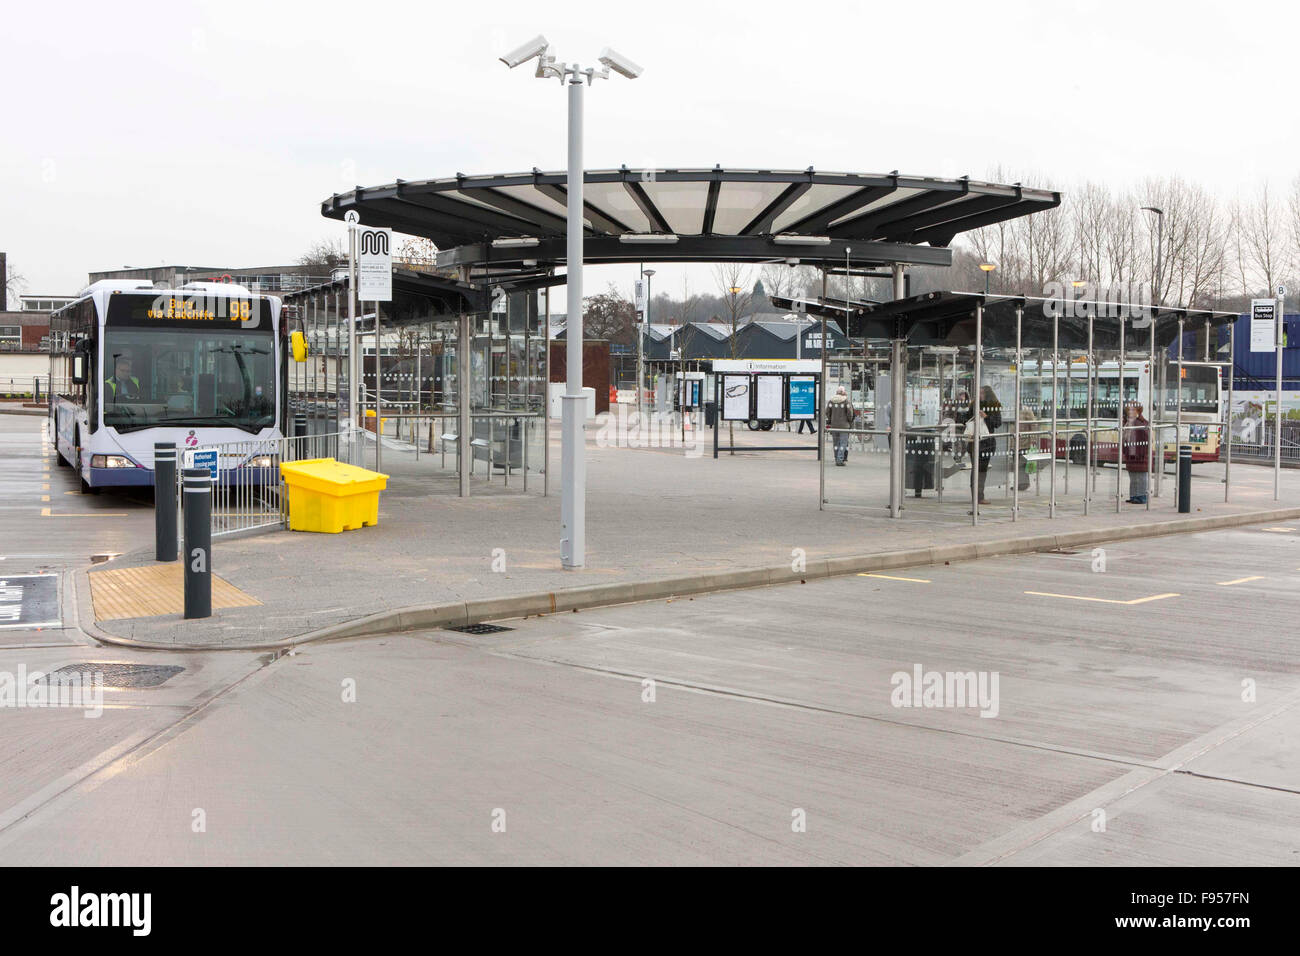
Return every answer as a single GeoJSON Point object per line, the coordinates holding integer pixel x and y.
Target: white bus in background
{"type": "Point", "coordinates": [1201, 417]}
{"type": "Point", "coordinates": [131, 365]}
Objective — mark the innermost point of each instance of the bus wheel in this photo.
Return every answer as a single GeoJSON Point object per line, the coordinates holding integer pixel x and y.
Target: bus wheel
{"type": "Point", "coordinates": [753, 424]}
{"type": "Point", "coordinates": [767, 426]}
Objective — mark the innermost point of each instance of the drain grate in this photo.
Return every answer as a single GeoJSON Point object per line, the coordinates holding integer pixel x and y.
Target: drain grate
{"type": "Point", "coordinates": [120, 675]}
{"type": "Point", "coordinates": [479, 628]}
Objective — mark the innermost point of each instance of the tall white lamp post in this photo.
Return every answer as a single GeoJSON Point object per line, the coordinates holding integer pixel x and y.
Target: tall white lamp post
{"type": "Point", "coordinates": [573, 497]}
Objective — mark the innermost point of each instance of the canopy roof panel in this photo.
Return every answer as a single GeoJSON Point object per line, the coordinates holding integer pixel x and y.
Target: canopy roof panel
{"type": "Point", "coordinates": [948, 318]}
{"type": "Point", "coordinates": [693, 214]}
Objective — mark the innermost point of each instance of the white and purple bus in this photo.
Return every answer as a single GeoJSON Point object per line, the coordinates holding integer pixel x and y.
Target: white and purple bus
{"type": "Point", "coordinates": [131, 365]}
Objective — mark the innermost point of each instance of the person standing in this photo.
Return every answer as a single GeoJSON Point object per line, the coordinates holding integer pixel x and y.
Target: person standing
{"type": "Point", "coordinates": [979, 430]}
{"type": "Point", "coordinates": [1135, 441]}
{"type": "Point", "coordinates": [839, 415]}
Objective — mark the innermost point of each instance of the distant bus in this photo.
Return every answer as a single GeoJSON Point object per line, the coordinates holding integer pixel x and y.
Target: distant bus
{"type": "Point", "coordinates": [131, 365]}
{"type": "Point", "coordinates": [1201, 417]}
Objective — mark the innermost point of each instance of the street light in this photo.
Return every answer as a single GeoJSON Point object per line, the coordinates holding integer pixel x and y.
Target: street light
{"type": "Point", "coordinates": [986, 268]}
{"type": "Point", "coordinates": [573, 503]}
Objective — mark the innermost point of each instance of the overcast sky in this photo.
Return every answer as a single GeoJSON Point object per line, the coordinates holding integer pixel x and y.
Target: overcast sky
{"type": "Point", "coordinates": [208, 133]}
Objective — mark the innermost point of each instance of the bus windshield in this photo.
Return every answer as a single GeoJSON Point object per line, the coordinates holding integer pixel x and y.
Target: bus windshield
{"type": "Point", "coordinates": [1200, 391]}
{"type": "Point", "coordinates": [173, 377]}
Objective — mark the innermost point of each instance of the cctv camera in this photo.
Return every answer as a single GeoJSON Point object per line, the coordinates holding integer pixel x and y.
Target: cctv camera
{"type": "Point", "coordinates": [619, 63]}
{"type": "Point", "coordinates": [537, 46]}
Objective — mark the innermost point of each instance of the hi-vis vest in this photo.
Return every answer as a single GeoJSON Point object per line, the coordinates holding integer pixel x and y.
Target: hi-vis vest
{"type": "Point", "coordinates": [112, 384]}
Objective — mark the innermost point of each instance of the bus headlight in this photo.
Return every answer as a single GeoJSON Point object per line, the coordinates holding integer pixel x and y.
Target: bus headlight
{"type": "Point", "coordinates": [261, 461]}
{"type": "Point", "coordinates": [111, 461]}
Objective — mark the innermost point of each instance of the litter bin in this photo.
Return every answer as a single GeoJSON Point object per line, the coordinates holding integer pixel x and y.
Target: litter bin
{"type": "Point", "coordinates": [710, 410]}
{"type": "Point", "coordinates": [329, 496]}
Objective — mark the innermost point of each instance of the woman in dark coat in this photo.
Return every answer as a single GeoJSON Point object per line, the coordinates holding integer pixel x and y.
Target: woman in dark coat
{"type": "Point", "coordinates": [1136, 443]}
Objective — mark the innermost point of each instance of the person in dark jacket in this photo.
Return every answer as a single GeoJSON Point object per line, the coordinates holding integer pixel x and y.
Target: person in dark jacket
{"type": "Point", "coordinates": [839, 414]}
{"type": "Point", "coordinates": [980, 426]}
{"type": "Point", "coordinates": [1136, 443]}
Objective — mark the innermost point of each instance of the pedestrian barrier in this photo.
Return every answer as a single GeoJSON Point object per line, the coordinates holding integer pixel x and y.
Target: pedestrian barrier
{"type": "Point", "coordinates": [248, 492]}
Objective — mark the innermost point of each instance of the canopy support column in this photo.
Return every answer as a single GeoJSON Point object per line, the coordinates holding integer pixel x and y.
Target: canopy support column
{"type": "Point", "coordinates": [897, 404]}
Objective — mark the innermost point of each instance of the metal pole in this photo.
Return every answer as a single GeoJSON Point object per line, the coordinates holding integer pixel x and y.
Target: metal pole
{"type": "Point", "coordinates": [1152, 434]}
{"type": "Point", "coordinates": [464, 452]}
{"type": "Point", "coordinates": [198, 543]}
{"type": "Point", "coordinates": [1227, 417]}
{"type": "Point", "coordinates": [573, 516]}
{"type": "Point", "coordinates": [1279, 326]}
{"type": "Point", "coordinates": [1088, 468]}
{"type": "Point", "coordinates": [164, 501]}
{"type": "Point", "coordinates": [977, 409]}
{"type": "Point", "coordinates": [354, 367]}
{"type": "Point", "coordinates": [897, 404]}
{"type": "Point", "coordinates": [1178, 408]}
{"type": "Point", "coordinates": [379, 390]}
{"type": "Point", "coordinates": [546, 399]}
{"type": "Point", "coordinates": [1056, 365]}
{"type": "Point", "coordinates": [1119, 417]}
{"type": "Point", "coordinates": [1164, 410]}
{"type": "Point", "coordinates": [1015, 455]}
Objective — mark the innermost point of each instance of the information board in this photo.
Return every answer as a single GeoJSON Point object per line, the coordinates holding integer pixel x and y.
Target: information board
{"type": "Point", "coordinates": [770, 397]}
{"type": "Point", "coordinates": [735, 397]}
{"type": "Point", "coordinates": [803, 397]}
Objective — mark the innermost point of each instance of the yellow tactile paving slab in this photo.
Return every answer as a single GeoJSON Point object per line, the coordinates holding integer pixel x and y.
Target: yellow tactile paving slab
{"type": "Point", "coordinates": [154, 590]}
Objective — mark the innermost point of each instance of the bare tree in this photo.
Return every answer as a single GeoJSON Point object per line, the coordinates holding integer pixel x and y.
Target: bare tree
{"type": "Point", "coordinates": [15, 283]}
{"type": "Point", "coordinates": [735, 283]}
{"type": "Point", "coordinates": [1263, 248]}
{"type": "Point", "coordinates": [324, 256]}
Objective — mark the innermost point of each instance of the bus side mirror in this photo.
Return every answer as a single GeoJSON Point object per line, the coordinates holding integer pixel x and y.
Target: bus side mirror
{"type": "Point", "coordinates": [80, 374]}
{"type": "Point", "coordinates": [299, 343]}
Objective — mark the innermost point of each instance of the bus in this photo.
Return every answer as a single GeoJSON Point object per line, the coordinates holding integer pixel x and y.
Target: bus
{"type": "Point", "coordinates": [1201, 417]}
{"type": "Point", "coordinates": [132, 364]}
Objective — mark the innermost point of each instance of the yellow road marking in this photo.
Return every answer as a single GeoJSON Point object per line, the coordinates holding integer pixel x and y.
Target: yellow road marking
{"type": "Point", "coordinates": [45, 497]}
{"type": "Point", "coordinates": [1079, 597]}
{"type": "Point", "coordinates": [45, 513]}
{"type": "Point", "coordinates": [1253, 577]}
{"type": "Point", "coordinates": [1278, 529]}
{"type": "Point", "coordinates": [45, 487]}
{"type": "Point", "coordinates": [890, 577]}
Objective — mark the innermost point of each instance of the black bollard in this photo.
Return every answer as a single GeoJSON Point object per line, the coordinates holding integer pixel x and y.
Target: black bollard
{"type": "Point", "coordinates": [198, 542]}
{"type": "Point", "coordinates": [164, 501]}
{"type": "Point", "coordinates": [299, 424]}
{"type": "Point", "coordinates": [1184, 479]}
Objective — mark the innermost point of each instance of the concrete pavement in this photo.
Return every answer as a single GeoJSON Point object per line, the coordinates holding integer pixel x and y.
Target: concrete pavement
{"type": "Point", "coordinates": [1162, 692]}
{"type": "Point", "coordinates": [652, 515]}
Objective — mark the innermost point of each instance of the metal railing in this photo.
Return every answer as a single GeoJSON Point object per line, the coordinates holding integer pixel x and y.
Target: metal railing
{"type": "Point", "coordinates": [33, 387]}
{"type": "Point", "coordinates": [248, 496]}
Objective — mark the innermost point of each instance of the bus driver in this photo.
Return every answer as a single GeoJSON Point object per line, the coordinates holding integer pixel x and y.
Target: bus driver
{"type": "Point", "coordinates": [122, 386]}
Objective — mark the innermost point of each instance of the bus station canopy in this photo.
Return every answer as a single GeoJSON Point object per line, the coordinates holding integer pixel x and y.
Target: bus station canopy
{"type": "Point", "coordinates": [514, 224]}
{"type": "Point", "coordinates": [948, 318]}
